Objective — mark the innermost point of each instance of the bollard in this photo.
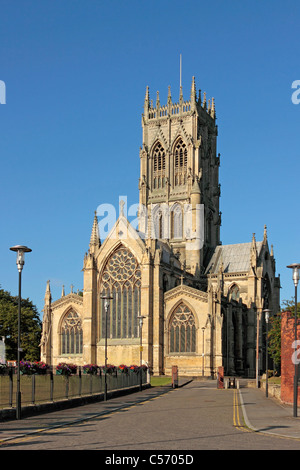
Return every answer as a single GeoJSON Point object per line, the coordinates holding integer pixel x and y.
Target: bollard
{"type": "Point", "coordinates": [220, 377]}
{"type": "Point", "coordinates": [174, 376]}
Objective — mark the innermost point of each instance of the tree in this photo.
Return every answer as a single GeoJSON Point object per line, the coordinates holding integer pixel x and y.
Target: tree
{"type": "Point", "coordinates": [31, 327]}
{"type": "Point", "coordinates": [274, 340]}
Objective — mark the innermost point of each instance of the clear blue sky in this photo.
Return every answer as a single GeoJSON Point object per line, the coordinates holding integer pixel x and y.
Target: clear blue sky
{"type": "Point", "coordinates": [76, 74]}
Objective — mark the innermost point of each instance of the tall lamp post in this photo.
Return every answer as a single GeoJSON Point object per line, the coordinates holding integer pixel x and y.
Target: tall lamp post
{"type": "Point", "coordinates": [257, 348]}
{"type": "Point", "coordinates": [20, 250]}
{"type": "Point", "coordinates": [203, 329]}
{"type": "Point", "coordinates": [106, 306]}
{"type": "Point", "coordinates": [267, 316]}
{"type": "Point", "coordinates": [295, 267]}
{"type": "Point", "coordinates": [140, 317]}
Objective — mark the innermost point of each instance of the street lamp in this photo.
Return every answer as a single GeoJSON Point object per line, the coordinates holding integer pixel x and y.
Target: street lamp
{"type": "Point", "coordinates": [257, 348]}
{"type": "Point", "coordinates": [106, 306]}
{"type": "Point", "coordinates": [20, 250]}
{"type": "Point", "coordinates": [140, 317]}
{"type": "Point", "coordinates": [295, 267]}
{"type": "Point", "coordinates": [267, 316]}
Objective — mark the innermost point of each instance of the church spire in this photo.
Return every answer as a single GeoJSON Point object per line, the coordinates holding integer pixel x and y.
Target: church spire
{"type": "Point", "coordinates": [95, 237]}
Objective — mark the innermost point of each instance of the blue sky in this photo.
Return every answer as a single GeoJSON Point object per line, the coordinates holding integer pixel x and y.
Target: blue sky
{"type": "Point", "coordinates": [76, 74]}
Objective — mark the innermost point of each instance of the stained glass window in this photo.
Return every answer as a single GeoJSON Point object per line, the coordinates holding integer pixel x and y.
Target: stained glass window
{"type": "Point", "coordinates": [121, 279]}
{"type": "Point", "coordinates": [182, 330]}
{"type": "Point", "coordinates": [71, 334]}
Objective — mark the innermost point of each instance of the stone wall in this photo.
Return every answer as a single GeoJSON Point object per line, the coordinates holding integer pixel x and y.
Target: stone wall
{"type": "Point", "coordinates": [287, 351]}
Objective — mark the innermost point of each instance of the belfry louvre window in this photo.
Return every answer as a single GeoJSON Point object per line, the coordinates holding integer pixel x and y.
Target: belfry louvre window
{"type": "Point", "coordinates": [121, 279]}
{"type": "Point", "coordinates": [71, 334]}
{"type": "Point", "coordinates": [182, 330]}
{"type": "Point", "coordinates": [180, 163]}
{"type": "Point", "coordinates": [159, 166]}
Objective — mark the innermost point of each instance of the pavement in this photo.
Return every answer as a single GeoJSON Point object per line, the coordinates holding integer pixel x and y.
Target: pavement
{"type": "Point", "coordinates": [268, 415]}
{"type": "Point", "coordinates": [261, 414]}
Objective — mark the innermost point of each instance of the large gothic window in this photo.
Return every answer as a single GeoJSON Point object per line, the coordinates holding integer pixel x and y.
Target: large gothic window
{"type": "Point", "coordinates": [159, 166]}
{"type": "Point", "coordinates": [71, 334]}
{"type": "Point", "coordinates": [182, 330]}
{"type": "Point", "coordinates": [121, 279]}
{"type": "Point", "coordinates": [176, 222]}
{"type": "Point", "coordinates": [180, 163]}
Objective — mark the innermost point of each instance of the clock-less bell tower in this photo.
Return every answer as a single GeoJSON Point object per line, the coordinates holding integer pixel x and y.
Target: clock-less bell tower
{"type": "Point", "coordinates": [179, 176]}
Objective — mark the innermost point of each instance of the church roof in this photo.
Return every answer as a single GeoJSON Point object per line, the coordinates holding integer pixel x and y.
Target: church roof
{"type": "Point", "coordinates": [235, 258]}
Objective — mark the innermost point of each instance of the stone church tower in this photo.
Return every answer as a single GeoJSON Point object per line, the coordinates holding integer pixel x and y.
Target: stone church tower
{"type": "Point", "coordinates": [201, 302]}
{"type": "Point", "coordinates": [179, 181]}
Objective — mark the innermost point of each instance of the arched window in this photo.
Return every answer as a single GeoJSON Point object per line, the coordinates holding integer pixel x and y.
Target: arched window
{"type": "Point", "coordinates": [159, 166]}
{"type": "Point", "coordinates": [160, 221]}
{"type": "Point", "coordinates": [176, 222]}
{"type": "Point", "coordinates": [234, 292]}
{"type": "Point", "coordinates": [121, 279]}
{"type": "Point", "coordinates": [182, 330]}
{"type": "Point", "coordinates": [71, 334]}
{"type": "Point", "coordinates": [180, 163]}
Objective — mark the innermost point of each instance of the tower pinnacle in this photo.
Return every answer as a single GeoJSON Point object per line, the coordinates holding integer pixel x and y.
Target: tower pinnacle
{"type": "Point", "coordinates": [95, 237]}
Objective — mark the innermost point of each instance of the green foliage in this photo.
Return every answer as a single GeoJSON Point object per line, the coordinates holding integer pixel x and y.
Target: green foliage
{"type": "Point", "coordinates": [274, 339]}
{"type": "Point", "coordinates": [31, 327]}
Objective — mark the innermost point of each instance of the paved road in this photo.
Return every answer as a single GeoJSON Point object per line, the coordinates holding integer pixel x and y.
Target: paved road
{"type": "Point", "coordinates": [194, 417]}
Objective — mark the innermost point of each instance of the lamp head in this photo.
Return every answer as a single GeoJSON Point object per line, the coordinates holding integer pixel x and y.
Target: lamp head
{"type": "Point", "coordinates": [295, 267]}
{"type": "Point", "coordinates": [267, 314]}
{"type": "Point", "coordinates": [141, 317]}
{"type": "Point", "coordinates": [20, 250]}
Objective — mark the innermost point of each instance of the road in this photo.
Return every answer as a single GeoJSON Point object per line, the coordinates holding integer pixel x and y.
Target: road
{"type": "Point", "coordinates": [194, 417]}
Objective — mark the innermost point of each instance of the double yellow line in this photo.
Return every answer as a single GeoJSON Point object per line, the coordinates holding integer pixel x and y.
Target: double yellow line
{"type": "Point", "coordinates": [237, 422]}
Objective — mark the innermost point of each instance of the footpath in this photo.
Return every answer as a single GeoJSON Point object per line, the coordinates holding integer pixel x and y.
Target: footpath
{"type": "Point", "coordinates": [267, 414]}
{"type": "Point", "coordinates": [261, 414]}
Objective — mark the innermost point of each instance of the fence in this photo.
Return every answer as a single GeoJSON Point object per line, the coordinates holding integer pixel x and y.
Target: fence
{"type": "Point", "coordinates": [37, 388]}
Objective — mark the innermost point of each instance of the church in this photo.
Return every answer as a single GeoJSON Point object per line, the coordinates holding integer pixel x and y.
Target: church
{"type": "Point", "coordinates": [177, 295]}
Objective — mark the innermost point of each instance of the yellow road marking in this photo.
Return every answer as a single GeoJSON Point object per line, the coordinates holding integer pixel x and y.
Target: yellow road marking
{"type": "Point", "coordinates": [236, 413]}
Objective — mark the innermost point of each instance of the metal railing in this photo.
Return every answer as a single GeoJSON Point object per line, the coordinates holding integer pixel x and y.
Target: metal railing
{"type": "Point", "coordinates": [50, 387]}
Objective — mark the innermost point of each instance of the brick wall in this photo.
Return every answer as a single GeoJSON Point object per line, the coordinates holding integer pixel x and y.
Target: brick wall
{"type": "Point", "coordinates": [287, 364]}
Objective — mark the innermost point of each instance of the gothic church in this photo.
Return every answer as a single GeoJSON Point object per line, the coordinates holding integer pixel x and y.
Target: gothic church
{"type": "Point", "coordinates": [201, 301]}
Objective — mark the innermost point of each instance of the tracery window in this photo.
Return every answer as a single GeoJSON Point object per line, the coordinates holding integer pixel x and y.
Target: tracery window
{"type": "Point", "coordinates": [180, 163]}
{"type": "Point", "coordinates": [71, 334]}
{"type": "Point", "coordinates": [182, 330]}
{"type": "Point", "coordinates": [121, 279]}
{"type": "Point", "coordinates": [159, 166]}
